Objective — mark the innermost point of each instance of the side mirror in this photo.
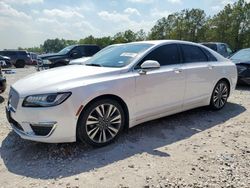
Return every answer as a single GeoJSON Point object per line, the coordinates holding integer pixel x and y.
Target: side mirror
{"type": "Point", "coordinates": [149, 65]}
{"type": "Point", "coordinates": [74, 54]}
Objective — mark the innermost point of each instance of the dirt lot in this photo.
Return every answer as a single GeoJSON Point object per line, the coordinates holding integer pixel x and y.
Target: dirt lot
{"type": "Point", "coordinates": [198, 148]}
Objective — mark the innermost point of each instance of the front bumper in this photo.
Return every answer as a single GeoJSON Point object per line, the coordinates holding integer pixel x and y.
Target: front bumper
{"type": "Point", "coordinates": [3, 84]}
{"type": "Point", "coordinates": [50, 125]}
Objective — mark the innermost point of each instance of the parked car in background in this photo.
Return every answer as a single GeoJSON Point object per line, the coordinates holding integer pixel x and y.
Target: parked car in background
{"type": "Point", "coordinates": [221, 48]}
{"type": "Point", "coordinates": [63, 57]}
{"type": "Point", "coordinates": [79, 61]}
{"type": "Point", "coordinates": [118, 88]}
{"type": "Point", "coordinates": [19, 58]}
{"type": "Point", "coordinates": [2, 81]}
{"type": "Point", "coordinates": [242, 61]}
{"type": "Point", "coordinates": [83, 60]}
{"type": "Point", "coordinates": [34, 58]}
{"type": "Point", "coordinates": [5, 62]}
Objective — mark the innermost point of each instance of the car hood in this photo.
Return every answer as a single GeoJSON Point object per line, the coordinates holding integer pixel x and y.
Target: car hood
{"type": "Point", "coordinates": [4, 58]}
{"type": "Point", "coordinates": [47, 56]}
{"type": "Point", "coordinates": [61, 79]}
{"type": "Point", "coordinates": [79, 61]}
{"type": "Point", "coordinates": [238, 61]}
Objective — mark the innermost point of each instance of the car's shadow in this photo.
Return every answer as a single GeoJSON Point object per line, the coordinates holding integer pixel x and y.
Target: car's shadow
{"type": "Point", "coordinates": [47, 161]}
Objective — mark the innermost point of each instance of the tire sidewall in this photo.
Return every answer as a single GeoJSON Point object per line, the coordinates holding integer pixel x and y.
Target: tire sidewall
{"type": "Point", "coordinates": [212, 105]}
{"type": "Point", "coordinates": [81, 125]}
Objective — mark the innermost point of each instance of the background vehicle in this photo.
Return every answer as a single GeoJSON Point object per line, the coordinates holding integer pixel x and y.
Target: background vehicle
{"type": "Point", "coordinates": [79, 61]}
{"type": "Point", "coordinates": [221, 48]}
{"type": "Point", "coordinates": [2, 81]}
{"type": "Point", "coordinates": [5, 62]}
{"type": "Point", "coordinates": [118, 88]}
{"type": "Point", "coordinates": [242, 61]}
{"type": "Point", "coordinates": [34, 58]}
{"type": "Point", "coordinates": [65, 55]}
{"type": "Point", "coordinates": [19, 58]}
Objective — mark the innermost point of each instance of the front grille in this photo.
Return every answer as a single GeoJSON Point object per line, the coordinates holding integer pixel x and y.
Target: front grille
{"type": "Point", "coordinates": [41, 130]}
{"type": "Point", "coordinates": [16, 125]}
{"type": "Point", "coordinates": [13, 98]}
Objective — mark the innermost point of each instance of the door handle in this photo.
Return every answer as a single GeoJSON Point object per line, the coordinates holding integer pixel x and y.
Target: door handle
{"type": "Point", "coordinates": [210, 67]}
{"type": "Point", "coordinates": [177, 70]}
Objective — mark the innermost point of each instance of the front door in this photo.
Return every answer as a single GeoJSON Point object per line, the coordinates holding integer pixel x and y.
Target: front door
{"type": "Point", "coordinates": [160, 90]}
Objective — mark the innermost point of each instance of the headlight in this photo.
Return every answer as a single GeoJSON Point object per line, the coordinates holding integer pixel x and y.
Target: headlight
{"type": "Point", "coordinates": [241, 68]}
{"type": "Point", "coordinates": [45, 100]}
{"type": "Point", "coordinates": [47, 62]}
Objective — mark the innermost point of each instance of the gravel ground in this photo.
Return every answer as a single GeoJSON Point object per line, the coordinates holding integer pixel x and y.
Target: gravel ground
{"type": "Point", "coordinates": [197, 148]}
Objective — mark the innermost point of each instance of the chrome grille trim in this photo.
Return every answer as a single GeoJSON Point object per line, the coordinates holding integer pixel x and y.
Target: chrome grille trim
{"type": "Point", "coordinates": [13, 98]}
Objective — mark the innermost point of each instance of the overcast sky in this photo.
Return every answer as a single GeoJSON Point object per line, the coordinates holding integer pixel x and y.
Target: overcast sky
{"type": "Point", "coordinates": [27, 23]}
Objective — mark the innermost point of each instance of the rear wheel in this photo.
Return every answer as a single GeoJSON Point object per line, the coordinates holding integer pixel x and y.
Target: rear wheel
{"type": "Point", "coordinates": [101, 122]}
{"type": "Point", "coordinates": [20, 64]}
{"type": "Point", "coordinates": [220, 95]}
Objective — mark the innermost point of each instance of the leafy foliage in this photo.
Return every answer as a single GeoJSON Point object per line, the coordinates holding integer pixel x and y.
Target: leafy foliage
{"type": "Point", "coordinates": [231, 25]}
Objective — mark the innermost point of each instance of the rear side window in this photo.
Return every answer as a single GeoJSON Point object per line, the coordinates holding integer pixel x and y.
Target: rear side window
{"type": "Point", "coordinates": [91, 50]}
{"type": "Point", "coordinates": [192, 54]}
{"type": "Point", "coordinates": [210, 56]}
{"type": "Point", "coordinates": [165, 55]}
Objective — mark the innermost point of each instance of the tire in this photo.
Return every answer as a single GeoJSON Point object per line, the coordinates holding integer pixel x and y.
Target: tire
{"type": "Point", "coordinates": [220, 95]}
{"type": "Point", "coordinates": [20, 64]}
{"type": "Point", "coordinates": [101, 122]}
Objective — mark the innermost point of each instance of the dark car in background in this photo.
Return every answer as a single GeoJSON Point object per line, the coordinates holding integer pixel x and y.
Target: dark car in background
{"type": "Point", "coordinates": [242, 61]}
{"type": "Point", "coordinates": [221, 48]}
{"type": "Point", "coordinates": [64, 56]}
{"type": "Point", "coordinates": [2, 81]}
{"type": "Point", "coordinates": [19, 58]}
{"type": "Point", "coordinates": [5, 62]}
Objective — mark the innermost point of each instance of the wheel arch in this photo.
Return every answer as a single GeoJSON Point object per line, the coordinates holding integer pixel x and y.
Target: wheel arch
{"type": "Point", "coordinates": [113, 97]}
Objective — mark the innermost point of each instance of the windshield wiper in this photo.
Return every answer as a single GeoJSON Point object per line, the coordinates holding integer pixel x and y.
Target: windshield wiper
{"type": "Point", "coordinates": [93, 64]}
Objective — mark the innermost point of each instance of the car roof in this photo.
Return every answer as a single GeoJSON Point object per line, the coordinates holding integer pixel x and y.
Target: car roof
{"type": "Point", "coordinates": [213, 43]}
{"type": "Point", "coordinates": [157, 42]}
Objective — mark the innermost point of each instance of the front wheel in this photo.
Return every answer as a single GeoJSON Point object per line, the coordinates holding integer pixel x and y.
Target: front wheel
{"type": "Point", "coordinates": [101, 122]}
{"type": "Point", "coordinates": [220, 95]}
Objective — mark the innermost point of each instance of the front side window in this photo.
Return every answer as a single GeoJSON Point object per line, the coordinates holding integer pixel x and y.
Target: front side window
{"type": "Point", "coordinates": [165, 55]}
{"type": "Point", "coordinates": [192, 54]}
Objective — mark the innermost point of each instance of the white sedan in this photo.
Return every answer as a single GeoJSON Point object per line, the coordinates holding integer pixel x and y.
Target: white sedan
{"type": "Point", "coordinates": [118, 88]}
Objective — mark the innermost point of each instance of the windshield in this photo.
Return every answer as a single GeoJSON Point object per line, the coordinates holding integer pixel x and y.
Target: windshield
{"type": "Point", "coordinates": [242, 55]}
{"type": "Point", "coordinates": [66, 50]}
{"type": "Point", "coordinates": [118, 55]}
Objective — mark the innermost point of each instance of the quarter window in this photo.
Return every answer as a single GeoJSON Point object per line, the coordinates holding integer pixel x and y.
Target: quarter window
{"type": "Point", "coordinates": [165, 55]}
{"type": "Point", "coordinates": [193, 54]}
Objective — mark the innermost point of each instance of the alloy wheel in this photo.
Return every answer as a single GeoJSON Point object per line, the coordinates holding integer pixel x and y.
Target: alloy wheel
{"type": "Point", "coordinates": [103, 123]}
{"type": "Point", "coordinates": [220, 95]}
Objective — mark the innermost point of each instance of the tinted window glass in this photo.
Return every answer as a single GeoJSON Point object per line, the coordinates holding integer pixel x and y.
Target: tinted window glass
{"type": "Point", "coordinates": [165, 55]}
{"type": "Point", "coordinates": [193, 54]}
{"type": "Point", "coordinates": [210, 45]}
{"type": "Point", "coordinates": [209, 55]}
{"type": "Point", "coordinates": [22, 53]}
{"type": "Point", "coordinates": [222, 48]}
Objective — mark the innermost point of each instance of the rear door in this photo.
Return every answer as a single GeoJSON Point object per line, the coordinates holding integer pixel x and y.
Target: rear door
{"type": "Point", "coordinates": [199, 74]}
